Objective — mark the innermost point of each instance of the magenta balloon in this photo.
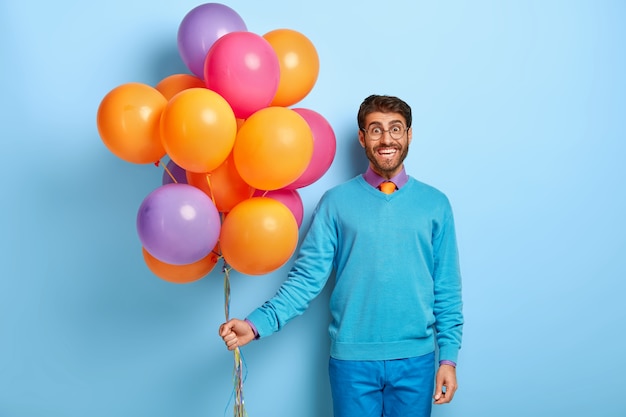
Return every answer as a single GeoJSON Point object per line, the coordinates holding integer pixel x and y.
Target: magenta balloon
{"type": "Point", "coordinates": [179, 174]}
{"type": "Point", "coordinates": [199, 30]}
{"type": "Point", "coordinates": [244, 69]}
{"type": "Point", "coordinates": [290, 198]}
{"type": "Point", "coordinates": [178, 224]}
{"type": "Point", "coordinates": [324, 148]}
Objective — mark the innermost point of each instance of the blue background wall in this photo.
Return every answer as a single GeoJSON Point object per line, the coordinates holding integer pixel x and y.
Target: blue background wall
{"type": "Point", "coordinates": [519, 117]}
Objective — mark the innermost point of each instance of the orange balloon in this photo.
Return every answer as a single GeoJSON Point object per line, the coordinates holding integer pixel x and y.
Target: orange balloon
{"type": "Point", "coordinates": [198, 129]}
{"type": "Point", "coordinates": [258, 236]}
{"type": "Point", "coordinates": [224, 185]}
{"type": "Point", "coordinates": [273, 148]}
{"type": "Point", "coordinates": [174, 84]}
{"type": "Point", "coordinates": [181, 274]}
{"type": "Point", "coordinates": [128, 122]}
{"type": "Point", "coordinates": [299, 65]}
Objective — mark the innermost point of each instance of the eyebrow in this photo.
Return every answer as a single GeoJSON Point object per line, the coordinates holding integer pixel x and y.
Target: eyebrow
{"type": "Point", "coordinates": [393, 122]}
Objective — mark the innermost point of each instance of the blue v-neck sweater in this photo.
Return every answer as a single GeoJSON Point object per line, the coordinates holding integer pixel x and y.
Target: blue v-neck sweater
{"type": "Point", "coordinates": [397, 280]}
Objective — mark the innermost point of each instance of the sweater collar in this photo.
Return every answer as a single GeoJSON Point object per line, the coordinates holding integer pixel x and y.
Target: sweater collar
{"type": "Point", "coordinates": [373, 179]}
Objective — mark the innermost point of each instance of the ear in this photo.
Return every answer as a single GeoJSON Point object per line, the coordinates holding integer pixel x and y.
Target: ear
{"type": "Point", "coordinates": [409, 135]}
{"type": "Point", "coordinates": [362, 138]}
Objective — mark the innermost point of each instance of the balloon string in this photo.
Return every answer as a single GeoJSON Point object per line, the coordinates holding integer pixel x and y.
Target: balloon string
{"type": "Point", "coordinates": [226, 270]}
{"type": "Point", "coordinates": [157, 163]}
{"type": "Point", "coordinates": [208, 181]}
{"type": "Point", "coordinates": [239, 409]}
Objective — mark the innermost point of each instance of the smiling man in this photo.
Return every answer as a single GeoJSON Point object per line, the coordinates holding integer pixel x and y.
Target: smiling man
{"type": "Point", "coordinates": [396, 304]}
{"type": "Point", "coordinates": [385, 152]}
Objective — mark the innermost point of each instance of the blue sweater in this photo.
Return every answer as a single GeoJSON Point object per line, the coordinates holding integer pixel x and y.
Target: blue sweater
{"type": "Point", "coordinates": [397, 279]}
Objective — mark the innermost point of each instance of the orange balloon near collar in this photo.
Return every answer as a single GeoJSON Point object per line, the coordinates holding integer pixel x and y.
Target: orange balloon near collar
{"type": "Point", "coordinates": [258, 236]}
{"type": "Point", "coordinates": [273, 148]}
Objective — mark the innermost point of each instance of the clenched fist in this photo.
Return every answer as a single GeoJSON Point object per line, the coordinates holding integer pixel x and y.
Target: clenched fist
{"type": "Point", "coordinates": [236, 333]}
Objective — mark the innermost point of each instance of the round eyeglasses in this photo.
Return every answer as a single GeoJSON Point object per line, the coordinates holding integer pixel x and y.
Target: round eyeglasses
{"type": "Point", "coordinates": [376, 132]}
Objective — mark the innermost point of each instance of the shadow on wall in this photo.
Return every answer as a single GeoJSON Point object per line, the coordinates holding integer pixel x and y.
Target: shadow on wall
{"type": "Point", "coordinates": [354, 156]}
{"type": "Point", "coordinates": [165, 61]}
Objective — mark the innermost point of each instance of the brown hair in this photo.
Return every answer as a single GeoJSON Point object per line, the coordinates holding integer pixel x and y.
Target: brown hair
{"type": "Point", "coordinates": [384, 104]}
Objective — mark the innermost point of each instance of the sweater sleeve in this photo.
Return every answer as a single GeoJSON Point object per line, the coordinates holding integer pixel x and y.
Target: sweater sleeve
{"type": "Point", "coordinates": [305, 280]}
{"type": "Point", "coordinates": [447, 286]}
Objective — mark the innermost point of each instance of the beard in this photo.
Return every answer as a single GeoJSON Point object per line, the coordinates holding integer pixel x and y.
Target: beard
{"type": "Point", "coordinates": [384, 166]}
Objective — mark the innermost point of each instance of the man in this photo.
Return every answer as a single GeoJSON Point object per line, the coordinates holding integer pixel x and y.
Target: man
{"type": "Point", "coordinates": [397, 296]}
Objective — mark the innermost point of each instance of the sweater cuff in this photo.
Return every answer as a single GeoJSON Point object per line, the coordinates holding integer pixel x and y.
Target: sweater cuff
{"type": "Point", "coordinates": [448, 353]}
{"type": "Point", "coordinates": [453, 364]}
{"type": "Point", "coordinates": [253, 327]}
{"type": "Point", "coordinates": [259, 322]}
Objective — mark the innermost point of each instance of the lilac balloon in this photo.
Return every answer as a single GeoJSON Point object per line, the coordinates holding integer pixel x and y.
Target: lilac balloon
{"type": "Point", "coordinates": [178, 224]}
{"type": "Point", "coordinates": [200, 28]}
{"type": "Point", "coordinates": [179, 174]}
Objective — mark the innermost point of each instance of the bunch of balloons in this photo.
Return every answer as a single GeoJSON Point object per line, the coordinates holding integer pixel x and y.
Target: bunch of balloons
{"type": "Point", "coordinates": [238, 151]}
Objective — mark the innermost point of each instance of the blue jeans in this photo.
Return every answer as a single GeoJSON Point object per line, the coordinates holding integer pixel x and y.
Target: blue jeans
{"type": "Point", "coordinates": [392, 388]}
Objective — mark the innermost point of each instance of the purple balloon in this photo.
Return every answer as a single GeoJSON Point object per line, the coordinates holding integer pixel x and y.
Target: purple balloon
{"type": "Point", "coordinates": [178, 224]}
{"type": "Point", "coordinates": [200, 28]}
{"type": "Point", "coordinates": [179, 174]}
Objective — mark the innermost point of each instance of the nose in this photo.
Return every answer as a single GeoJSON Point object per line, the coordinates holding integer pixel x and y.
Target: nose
{"type": "Point", "coordinates": [386, 137]}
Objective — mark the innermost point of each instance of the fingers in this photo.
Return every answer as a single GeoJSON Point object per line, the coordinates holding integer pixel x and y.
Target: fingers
{"type": "Point", "coordinates": [226, 328]}
{"type": "Point", "coordinates": [443, 396]}
{"type": "Point", "coordinates": [228, 335]}
{"type": "Point", "coordinates": [439, 394]}
{"type": "Point", "coordinates": [231, 341]}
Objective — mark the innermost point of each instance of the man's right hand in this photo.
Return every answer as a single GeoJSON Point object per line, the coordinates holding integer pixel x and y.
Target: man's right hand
{"type": "Point", "coordinates": [236, 333]}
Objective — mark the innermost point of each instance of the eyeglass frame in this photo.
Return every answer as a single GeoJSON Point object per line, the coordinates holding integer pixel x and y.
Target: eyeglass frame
{"type": "Point", "coordinates": [383, 131]}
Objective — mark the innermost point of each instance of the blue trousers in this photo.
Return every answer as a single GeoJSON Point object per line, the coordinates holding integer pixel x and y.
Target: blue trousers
{"type": "Point", "coordinates": [393, 388]}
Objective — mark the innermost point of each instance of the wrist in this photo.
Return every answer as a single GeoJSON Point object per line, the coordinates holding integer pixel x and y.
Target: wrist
{"type": "Point", "coordinates": [446, 362]}
{"type": "Point", "coordinates": [254, 330]}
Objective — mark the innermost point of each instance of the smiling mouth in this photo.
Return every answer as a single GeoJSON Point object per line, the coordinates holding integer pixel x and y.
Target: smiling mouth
{"type": "Point", "coordinates": [387, 152]}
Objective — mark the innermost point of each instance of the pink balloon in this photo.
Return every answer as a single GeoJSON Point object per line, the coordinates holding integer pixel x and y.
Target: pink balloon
{"type": "Point", "coordinates": [290, 198]}
{"type": "Point", "coordinates": [244, 69]}
{"type": "Point", "coordinates": [324, 148]}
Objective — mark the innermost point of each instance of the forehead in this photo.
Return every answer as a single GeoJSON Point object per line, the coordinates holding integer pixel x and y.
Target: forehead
{"type": "Point", "coordinates": [384, 119]}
